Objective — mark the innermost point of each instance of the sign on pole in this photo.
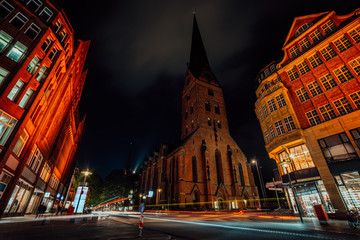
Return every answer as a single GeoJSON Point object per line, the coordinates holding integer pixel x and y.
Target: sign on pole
{"type": "Point", "coordinates": [142, 208]}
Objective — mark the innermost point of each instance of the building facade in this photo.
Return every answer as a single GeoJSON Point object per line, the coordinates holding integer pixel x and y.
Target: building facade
{"type": "Point", "coordinates": [41, 82]}
{"type": "Point", "coordinates": [207, 170]}
{"type": "Point", "coordinates": [308, 108]}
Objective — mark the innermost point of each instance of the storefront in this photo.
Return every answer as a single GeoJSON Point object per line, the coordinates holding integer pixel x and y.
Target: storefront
{"type": "Point", "coordinates": [349, 187]}
{"type": "Point", "coordinates": [34, 201]}
{"type": "Point", "coordinates": [309, 194]}
{"type": "Point", "coordinates": [19, 198]}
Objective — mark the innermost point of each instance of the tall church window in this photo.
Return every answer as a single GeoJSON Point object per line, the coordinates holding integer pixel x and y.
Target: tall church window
{"type": "Point", "coordinates": [218, 167]}
{"type": "Point", "coordinates": [241, 175]}
{"type": "Point", "coordinates": [207, 106]}
{"type": "Point", "coordinates": [194, 169]}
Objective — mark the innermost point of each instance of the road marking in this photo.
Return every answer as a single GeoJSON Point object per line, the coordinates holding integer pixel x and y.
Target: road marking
{"type": "Point", "coordinates": [244, 228]}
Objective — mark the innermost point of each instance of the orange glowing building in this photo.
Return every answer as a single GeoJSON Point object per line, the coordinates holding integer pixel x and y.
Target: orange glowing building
{"type": "Point", "coordinates": [41, 82]}
{"type": "Point", "coordinates": [308, 108]}
{"type": "Point", "coordinates": [207, 170]}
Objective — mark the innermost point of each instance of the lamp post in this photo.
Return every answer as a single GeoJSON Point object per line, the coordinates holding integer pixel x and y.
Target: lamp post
{"type": "Point", "coordinates": [260, 180]}
{"type": "Point", "coordinates": [86, 173]}
{"type": "Point", "coordinates": [286, 165]}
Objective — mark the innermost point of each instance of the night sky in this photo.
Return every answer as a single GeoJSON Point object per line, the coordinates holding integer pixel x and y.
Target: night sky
{"type": "Point", "coordinates": [137, 62]}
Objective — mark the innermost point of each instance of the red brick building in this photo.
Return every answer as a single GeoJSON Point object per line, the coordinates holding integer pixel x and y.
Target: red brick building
{"type": "Point", "coordinates": [41, 81]}
{"type": "Point", "coordinates": [208, 169]}
{"type": "Point", "coordinates": [308, 108]}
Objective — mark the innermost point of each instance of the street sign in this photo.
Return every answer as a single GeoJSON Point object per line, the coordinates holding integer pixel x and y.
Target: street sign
{"type": "Point", "coordinates": [142, 208]}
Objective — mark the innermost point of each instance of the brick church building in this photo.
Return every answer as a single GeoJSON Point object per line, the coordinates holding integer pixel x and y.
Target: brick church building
{"type": "Point", "coordinates": [207, 170]}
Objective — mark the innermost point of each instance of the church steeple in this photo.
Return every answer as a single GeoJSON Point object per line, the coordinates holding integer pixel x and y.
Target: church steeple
{"type": "Point", "coordinates": [198, 57]}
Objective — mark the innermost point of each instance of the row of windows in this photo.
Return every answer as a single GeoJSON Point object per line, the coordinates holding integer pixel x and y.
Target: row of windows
{"type": "Point", "coordinates": [315, 37]}
{"type": "Point", "coordinates": [343, 74]}
{"type": "Point", "coordinates": [263, 112]}
{"type": "Point", "coordinates": [279, 128]}
{"type": "Point", "coordinates": [327, 53]}
{"type": "Point", "coordinates": [342, 105]}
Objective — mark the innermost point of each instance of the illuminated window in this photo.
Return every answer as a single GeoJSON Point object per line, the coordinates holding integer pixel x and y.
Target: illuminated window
{"type": "Point", "coordinates": [46, 14]}
{"type": "Point", "coordinates": [217, 109]}
{"type": "Point", "coordinates": [32, 31]}
{"type": "Point", "coordinates": [45, 172]}
{"type": "Point", "coordinates": [314, 88]}
{"type": "Point", "coordinates": [33, 65]}
{"type": "Point", "coordinates": [54, 182]}
{"type": "Point", "coordinates": [17, 51]}
{"type": "Point", "coordinates": [355, 34]}
{"type": "Point", "coordinates": [267, 137]}
{"type": "Point", "coordinates": [210, 92]}
{"type": "Point", "coordinates": [272, 105]}
{"type": "Point", "coordinates": [303, 68]}
{"type": "Point", "coordinates": [19, 146]}
{"type": "Point", "coordinates": [15, 90]}
{"type": "Point", "coordinates": [302, 94]}
{"type": "Point", "coordinates": [5, 9]}
{"type": "Point", "coordinates": [266, 113]}
{"type": "Point", "coordinates": [300, 157]}
{"type": "Point", "coordinates": [328, 81]}
{"type": "Point", "coordinates": [343, 106]}
{"type": "Point", "coordinates": [3, 74]}
{"type": "Point", "coordinates": [337, 148]}
{"type": "Point", "coordinates": [313, 118]}
{"type": "Point", "coordinates": [34, 4]}
{"type": "Point", "coordinates": [279, 128]}
{"type": "Point", "coordinates": [293, 74]}
{"type": "Point", "coordinates": [328, 27]}
{"type": "Point", "coordinates": [355, 97]}
{"type": "Point", "coordinates": [218, 123]}
{"type": "Point", "coordinates": [63, 35]}
{"type": "Point", "coordinates": [355, 65]}
{"type": "Point", "coordinates": [316, 36]}
{"type": "Point", "coordinates": [289, 123]}
{"type": "Point", "coordinates": [46, 44]}
{"type": "Point", "coordinates": [271, 131]}
{"type": "Point", "coordinates": [35, 159]}
{"type": "Point", "coordinates": [304, 44]}
{"type": "Point", "coordinates": [53, 54]}
{"type": "Point", "coordinates": [57, 26]}
{"type": "Point", "coordinates": [328, 53]}
{"type": "Point", "coordinates": [209, 121]}
{"type": "Point", "coordinates": [327, 112]}
{"type": "Point", "coordinates": [261, 115]}
{"type": "Point", "coordinates": [5, 40]}
{"type": "Point", "coordinates": [315, 60]}
{"type": "Point", "coordinates": [207, 106]}
{"type": "Point", "coordinates": [41, 74]}
{"type": "Point", "coordinates": [25, 98]}
{"type": "Point", "coordinates": [342, 44]}
{"type": "Point", "coordinates": [18, 21]}
{"type": "Point", "coordinates": [294, 51]}
{"type": "Point", "coordinates": [343, 74]}
{"type": "Point", "coordinates": [7, 124]}
{"type": "Point", "coordinates": [281, 101]}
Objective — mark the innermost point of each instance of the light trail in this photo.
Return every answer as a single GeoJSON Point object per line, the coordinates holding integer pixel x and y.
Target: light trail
{"type": "Point", "coordinates": [240, 228]}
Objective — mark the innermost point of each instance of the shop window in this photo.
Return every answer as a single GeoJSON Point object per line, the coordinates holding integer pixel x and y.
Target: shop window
{"type": "Point", "coordinates": [327, 112]}
{"type": "Point", "coordinates": [303, 68]}
{"type": "Point", "coordinates": [32, 31]}
{"type": "Point", "coordinates": [355, 34]}
{"type": "Point", "coordinates": [313, 118]}
{"type": "Point", "coordinates": [25, 98]}
{"type": "Point", "coordinates": [4, 181]}
{"type": "Point", "coordinates": [16, 52]}
{"type": "Point", "coordinates": [349, 186]}
{"type": "Point", "coordinates": [18, 21]}
{"type": "Point", "coordinates": [314, 88]}
{"type": "Point", "coordinates": [355, 65]}
{"type": "Point", "coordinates": [46, 14]}
{"type": "Point", "coordinates": [337, 148]}
{"type": "Point", "coordinates": [343, 44]}
{"type": "Point", "coordinates": [34, 4]}
{"type": "Point", "coordinates": [33, 65]}
{"type": "Point", "coordinates": [281, 101]}
{"type": "Point", "coordinates": [343, 106]}
{"type": "Point", "coordinates": [328, 53]}
{"type": "Point", "coordinates": [328, 81]}
{"type": "Point", "coordinates": [7, 124]}
{"type": "Point", "coordinates": [35, 159]}
{"type": "Point", "coordinates": [302, 94]}
{"type": "Point", "coordinates": [329, 27]}
{"type": "Point", "coordinates": [20, 144]}
{"type": "Point", "coordinates": [3, 74]}
{"type": "Point", "coordinates": [5, 40]}
{"type": "Point", "coordinates": [298, 158]}
{"type": "Point", "coordinates": [293, 74]}
{"type": "Point", "coordinates": [272, 106]}
{"type": "Point", "coordinates": [315, 60]}
{"type": "Point", "coordinates": [316, 36]}
{"type": "Point", "coordinates": [15, 90]}
{"type": "Point", "coordinates": [5, 9]}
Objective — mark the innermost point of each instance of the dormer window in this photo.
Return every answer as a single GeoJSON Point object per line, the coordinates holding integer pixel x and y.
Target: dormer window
{"type": "Point", "coordinates": [303, 28]}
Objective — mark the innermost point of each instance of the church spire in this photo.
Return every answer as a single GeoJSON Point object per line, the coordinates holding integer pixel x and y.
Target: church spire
{"type": "Point", "coordinates": [198, 57]}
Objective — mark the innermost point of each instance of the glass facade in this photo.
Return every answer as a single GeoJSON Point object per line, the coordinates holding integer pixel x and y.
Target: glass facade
{"type": "Point", "coordinates": [349, 186]}
{"type": "Point", "coordinates": [298, 158]}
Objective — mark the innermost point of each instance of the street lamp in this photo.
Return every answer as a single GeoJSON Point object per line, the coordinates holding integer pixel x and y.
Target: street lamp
{"type": "Point", "coordinates": [287, 165]}
{"type": "Point", "coordinates": [260, 180]}
{"type": "Point", "coordinates": [86, 173]}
